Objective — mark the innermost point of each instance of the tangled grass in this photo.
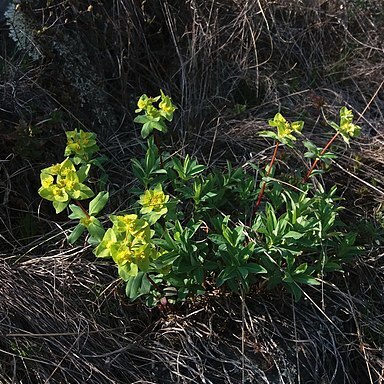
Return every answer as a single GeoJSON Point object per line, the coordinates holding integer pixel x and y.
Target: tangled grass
{"type": "Point", "coordinates": [63, 316]}
{"type": "Point", "coordinates": [59, 326]}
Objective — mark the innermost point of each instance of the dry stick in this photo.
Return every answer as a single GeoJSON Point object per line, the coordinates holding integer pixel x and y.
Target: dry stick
{"type": "Point", "coordinates": [321, 154]}
{"type": "Point", "coordinates": [265, 183]}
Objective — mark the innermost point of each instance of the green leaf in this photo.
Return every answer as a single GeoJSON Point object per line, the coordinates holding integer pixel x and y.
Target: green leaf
{"type": "Point", "coordinates": [82, 192]}
{"type": "Point", "coordinates": [293, 235]}
{"type": "Point", "coordinates": [331, 267]}
{"type": "Point", "coordinates": [128, 271]}
{"type": "Point", "coordinates": [95, 229]}
{"type": "Point", "coordinates": [137, 285]}
{"type": "Point", "coordinates": [83, 172]}
{"type": "Point", "coordinates": [269, 134]}
{"type": "Point", "coordinates": [243, 272]}
{"type": "Point", "coordinates": [138, 170]}
{"type": "Point", "coordinates": [141, 119]}
{"type": "Point", "coordinates": [59, 207]}
{"type": "Point", "coordinates": [103, 249]}
{"type": "Point", "coordinates": [197, 169]}
{"type": "Point", "coordinates": [216, 239]}
{"type": "Point", "coordinates": [300, 269]}
{"type": "Point", "coordinates": [77, 212]}
{"type": "Point", "coordinates": [76, 233]}
{"type": "Point", "coordinates": [146, 130]}
{"type": "Point", "coordinates": [98, 203]}
{"type": "Point", "coordinates": [159, 125]}
{"type": "Point", "coordinates": [226, 274]}
{"type": "Point", "coordinates": [334, 126]}
{"type": "Point", "coordinates": [306, 279]}
{"type": "Point", "coordinates": [199, 275]}
{"type": "Point", "coordinates": [255, 268]}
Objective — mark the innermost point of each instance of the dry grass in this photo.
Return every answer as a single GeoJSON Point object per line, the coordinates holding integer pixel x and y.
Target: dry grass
{"type": "Point", "coordinates": [63, 316]}
{"type": "Point", "coordinates": [64, 319]}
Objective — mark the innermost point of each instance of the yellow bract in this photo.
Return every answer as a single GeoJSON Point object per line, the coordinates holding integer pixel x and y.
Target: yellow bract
{"type": "Point", "coordinates": [128, 242]}
{"type": "Point", "coordinates": [166, 104]}
{"type": "Point", "coordinates": [80, 143]}
{"type": "Point", "coordinates": [142, 103]}
{"type": "Point", "coordinates": [86, 221]}
{"type": "Point", "coordinates": [59, 194]}
{"type": "Point", "coordinates": [46, 180]}
{"type": "Point", "coordinates": [153, 200]}
{"type": "Point", "coordinates": [60, 183]}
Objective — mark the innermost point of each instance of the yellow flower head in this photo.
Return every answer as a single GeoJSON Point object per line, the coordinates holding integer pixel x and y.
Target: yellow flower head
{"type": "Point", "coordinates": [60, 183]}
{"type": "Point", "coordinates": [153, 200]}
{"type": "Point", "coordinates": [347, 128]}
{"type": "Point", "coordinates": [46, 180]}
{"type": "Point", "coordinates": [128, 224]}
{"type": "Point", "coordinates": [143, 102]}
{"type": "Point", "coordinates": [80, 143]}
{"type": "Point", "coordinates": [166, 104]}
{"type": "Point", "coordinates": [285, 129]}
{"type": "Point", "coordinates": [52, 170]}
{"type": "Point", "coordinates": [123, 255]}
{"type": "Point", "coordinates": [59, 194]}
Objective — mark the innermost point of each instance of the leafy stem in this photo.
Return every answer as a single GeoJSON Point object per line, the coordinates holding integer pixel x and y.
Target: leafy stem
{"type": "Point", "coordinates": [154, 285]}
{"type": "Point", "coordinates": [267, 174]}
{"type": "Point", "coordinates": [157, 142]}
{"type": "Point", "coordinates": [77, 202]}
{"type": "Point", "coordinates": [321, 154]}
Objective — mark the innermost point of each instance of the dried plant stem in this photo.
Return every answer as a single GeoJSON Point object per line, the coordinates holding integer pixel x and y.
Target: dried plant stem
{"type": "Point", "coordinates": [321, 154]}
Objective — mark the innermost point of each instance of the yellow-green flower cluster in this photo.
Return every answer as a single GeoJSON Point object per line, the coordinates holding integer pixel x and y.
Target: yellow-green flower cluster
{"type": "Point", "coordinates": [129, 244]}
{"type": "Point", "coordinates": [60, 183]}
{"type": "Point", "coordinates": [285, 129]}
{"type": "Point", "coordinates": [165, 108]}
{"type": "Point", "coordinates": [153, 203]}
{"type": "Point", "coordinates": [81, 144]}
{"type": "Point", "coordinates": [145, 104]}
{"type": "Point", "coordinates": [346, 127]}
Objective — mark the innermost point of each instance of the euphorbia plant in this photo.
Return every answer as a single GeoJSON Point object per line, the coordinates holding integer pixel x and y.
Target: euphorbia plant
{"type": "Point", "coordinates": [183, 232]}
{"type": "Point", "coordinates": [284, 135]}
{"type": "Point", "coordinates": [129, 244]}
{"type": "Point", "coordinates": [345, 128]}
{"type": "Point", "coordinates": [156, 111]}
{"type": "Point", "coordinates": [62, 182]}
{"type": "Point", "coordinates": [81, 145]}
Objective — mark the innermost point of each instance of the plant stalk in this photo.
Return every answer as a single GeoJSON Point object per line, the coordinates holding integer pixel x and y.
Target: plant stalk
{"type": "Point", "coordinates": [82, 208]}
{"type": "Point", "coordinates": [265, 183]}
{"type": "Point", "coordinates": [157, 142]}
{"type": "Point", "coordinates": [153, 283]}
{"type": "Point", "coordinates": [321, 154]}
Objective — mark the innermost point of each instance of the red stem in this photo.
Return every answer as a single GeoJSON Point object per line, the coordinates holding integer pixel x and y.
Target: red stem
{"type": "Point", "coordinates": [153, 283]}
{"type": "Point", "coordinates": [265, 183]}
{"type": "Point", "coordinates": [321, 154]}
{"type": "Point", "coordinates": [82, 208]}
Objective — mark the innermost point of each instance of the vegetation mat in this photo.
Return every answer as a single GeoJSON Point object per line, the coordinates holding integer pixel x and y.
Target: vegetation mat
{"type": "Point", "coordinates": [229, 66]}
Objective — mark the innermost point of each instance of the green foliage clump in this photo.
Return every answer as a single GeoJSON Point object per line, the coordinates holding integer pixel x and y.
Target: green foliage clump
{"type": "Point", "coordinates": [192, 229]}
